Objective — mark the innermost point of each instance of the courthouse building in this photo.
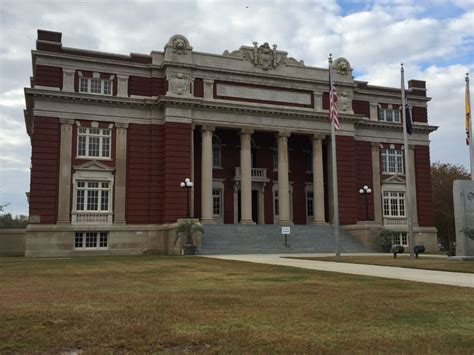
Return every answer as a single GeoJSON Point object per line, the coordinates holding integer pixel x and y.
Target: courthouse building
{"type": "Point", "coordinates": [113, 136]}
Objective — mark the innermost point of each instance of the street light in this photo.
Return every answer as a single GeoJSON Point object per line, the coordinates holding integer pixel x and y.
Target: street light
{"type": "Point", "coordinates": [366, 190]}
{"type": "Point", "coordinates": [187, 184]}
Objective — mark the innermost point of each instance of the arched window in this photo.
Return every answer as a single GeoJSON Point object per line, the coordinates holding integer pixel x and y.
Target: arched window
{"type": "Point", "coordinates": [216, 152]}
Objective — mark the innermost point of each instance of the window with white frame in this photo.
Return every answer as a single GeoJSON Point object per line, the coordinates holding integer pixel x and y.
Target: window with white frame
{"type": "Point", "coordinates": [91, 240]}
{"type": "Point", "coordinates": [392, 161]}
{"type": "Point", "coordinates": [400, 238]}
{"type": "Point", "coordinates": [92, 196]}
{"type": "Point", "coordinates": [216, 152]}
{"type": "Point", "coordinates": [95, 86]}
{"type": "Point", "coordinates": [394, 204]}
{"type": "Point", "coordinates": [93, 142]}
{"type": "Point", "coordinates": [309, 203]}
{"type": "Point", "coordinates": [217, 202]}
{"type": "Point", "coordinates": [389, 115]}
{"type": "Point", "coordinates": [275, 160]}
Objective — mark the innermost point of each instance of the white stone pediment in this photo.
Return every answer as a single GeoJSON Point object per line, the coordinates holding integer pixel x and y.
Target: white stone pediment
{"type": "Point", "coordinates": [93, 165]}
{"type": "Point", "coordinates": [395, 180]}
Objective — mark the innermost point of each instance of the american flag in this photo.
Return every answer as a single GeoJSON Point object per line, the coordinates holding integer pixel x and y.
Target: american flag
{"type": "Point", "coordinates": [332, 106]}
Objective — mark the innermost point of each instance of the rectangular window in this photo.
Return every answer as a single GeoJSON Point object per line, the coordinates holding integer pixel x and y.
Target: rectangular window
{"type": "Point", "coordinates": [93, 142]}
{"type": "Point", "coordinates": [91, 240]}
{"type": "Point", "coordinates": [392, 161]}
{"type": "Point", "coordinates": [309, 203]}
{"type": "Point", "coordinates": [400, 238]}
{"type": "Point", "coordinates": [217, 202]}
{"type": "Point", "coordinates": [389, 115]}
{"type": "Point", "coordinates": [216, 156]}
{"type": "Point", "coordinates": [96, 194]}
{"type": "Point", "coordinates": [95, 86]}
{"type": "Point", "coordinates": [83, 85]}
{"type": "Point", "coordinates": [394, 204]}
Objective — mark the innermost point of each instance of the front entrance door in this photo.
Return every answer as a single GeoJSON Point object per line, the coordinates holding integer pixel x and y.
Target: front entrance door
{"type": "Point", "coordinates": [254, 206]}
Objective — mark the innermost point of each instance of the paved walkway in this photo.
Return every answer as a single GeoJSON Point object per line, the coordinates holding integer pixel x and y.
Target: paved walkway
{"type": "Point", "coordinates": [418, 275]}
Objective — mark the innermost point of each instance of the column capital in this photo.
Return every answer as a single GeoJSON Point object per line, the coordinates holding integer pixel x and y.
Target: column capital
{"type": "Point", "coordinates": [246, 131]}
{"type": "Point", "coordinates": [121, 125]}
{"type": "Point", "coordinates": [208, 128]}
{"type": "Point", "coordinates": [284, 134]}
{"type": "Point", "coordinates": [375, 144]}
{"type": "Point", "coordinates": [68, 121]}
{"type": "Point", "coordinates": [318, 136]}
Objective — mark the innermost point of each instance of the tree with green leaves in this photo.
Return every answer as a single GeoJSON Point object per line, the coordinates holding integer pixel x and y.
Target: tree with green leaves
{"type": "Point", "coordinates": [443, 176]}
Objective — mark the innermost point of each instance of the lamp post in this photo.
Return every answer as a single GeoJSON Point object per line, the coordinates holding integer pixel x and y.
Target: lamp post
{"type": "Point", "coordinates": [366, 190]}
{"type": "Point", "coordinates": [187, 184]}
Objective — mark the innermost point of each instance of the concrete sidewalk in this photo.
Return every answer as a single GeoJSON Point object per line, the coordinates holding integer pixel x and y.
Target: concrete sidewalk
{"type": "Point", "coordinates": [418, 275]}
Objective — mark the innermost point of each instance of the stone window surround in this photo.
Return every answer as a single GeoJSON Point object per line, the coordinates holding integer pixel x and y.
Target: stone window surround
{"type": "Point", "coordinates": [96, 75]}
{"type": "Point", "coordinates": [94, 124]}
{"type": "Point", "coordinates": [92, 175]}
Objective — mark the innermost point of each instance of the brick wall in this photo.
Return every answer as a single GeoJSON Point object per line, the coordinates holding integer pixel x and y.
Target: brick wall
{"type": "Point", "coordinates": [48, 76]}
{"type": "Point", "coordinates": [364, 177]}
{"type": "Point", "coordinates": [45, 141]}
{"type": "Point", "coordinates": [346, 172]}
{"type": "Point", "coordinates": [423, 186]}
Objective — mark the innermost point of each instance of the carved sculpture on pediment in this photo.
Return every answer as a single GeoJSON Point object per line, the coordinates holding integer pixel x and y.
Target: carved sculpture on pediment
{"type": "Point", "coordinates": [264, 56]}
{"type": "Point", "coordinates": [179, 44]}
{"type": "Point", "coordinates": [342, 66]}
{"type": "Point", "coordinates": [179, 84]}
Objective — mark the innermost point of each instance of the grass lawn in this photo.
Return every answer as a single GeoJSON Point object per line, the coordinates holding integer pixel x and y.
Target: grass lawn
{"type": "Point", "coordinates": [423, 262]}
{"type": "Point", "coordinates": [193, 304]}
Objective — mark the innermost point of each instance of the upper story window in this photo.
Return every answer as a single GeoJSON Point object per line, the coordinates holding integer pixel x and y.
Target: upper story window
{"type": "Point", "coordinates": [392, 161]}
{"type": "Point", "coordinates": [394, 204]}
{"type": "Point", "coordinates": [95, 86]}
{"type": "Point", "coordinates": [92, 196]}
{"type": "Point", "coordinates": [389, 115]}
{"type": "Point", "coordinates": [216, 152]}
{"type": "Point", "coordinates": [93, 142]}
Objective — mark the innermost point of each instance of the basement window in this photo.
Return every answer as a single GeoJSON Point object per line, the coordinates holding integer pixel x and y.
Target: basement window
{"type": "Point", "coordinates": [91, 240]}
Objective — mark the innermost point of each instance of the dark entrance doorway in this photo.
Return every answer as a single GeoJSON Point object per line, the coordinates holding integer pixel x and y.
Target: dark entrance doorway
{"type": "Point", "coordinates": [254, 206]}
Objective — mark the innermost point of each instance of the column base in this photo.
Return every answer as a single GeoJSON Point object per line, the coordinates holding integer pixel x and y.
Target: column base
{"type": "Point", "coordinates": [246, 221]}
{"type": "Point", "coordinates": [285, 222]}
{"type": "Point", "coordinates": [207, 221]}
{"type": "Point", "coordinates": [319, 223]}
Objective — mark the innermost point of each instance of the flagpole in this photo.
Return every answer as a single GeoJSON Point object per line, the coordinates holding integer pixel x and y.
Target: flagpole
{"type": "Point", "coordinates": [468, 118]}
{"type": "Point", "coordinates": [334, 169]}
{"type": "Point", "coordinates": [408, 199]}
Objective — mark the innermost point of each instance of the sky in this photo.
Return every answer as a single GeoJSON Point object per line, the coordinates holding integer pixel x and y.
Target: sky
{"type": "Point", "coordinates": [433, 38]}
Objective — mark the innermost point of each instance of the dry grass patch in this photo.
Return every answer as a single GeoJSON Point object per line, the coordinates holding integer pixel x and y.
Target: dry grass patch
{"type": "Point", "coordinates": [423, 262]}
{"type": "Point", "coordinates": [149, 304]}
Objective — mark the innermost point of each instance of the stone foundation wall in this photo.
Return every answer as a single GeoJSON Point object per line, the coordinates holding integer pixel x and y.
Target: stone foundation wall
{"type": "Point", "coordinates": [58, 241]}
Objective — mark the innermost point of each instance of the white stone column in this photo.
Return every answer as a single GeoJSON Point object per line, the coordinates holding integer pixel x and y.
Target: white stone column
{"type": "Point", "coordinates": [65, 161]}
{"type": "Point", "coordinates": [374, 111]}
{"type": "Point", "coordinates": [120, 180]}
{"type": "Point", "coordinates": [122, 85]}
{"type": "Point", "coordinates": [206, 175]}
{"type": "Point", "coordinates": [411, 154]}
{"type": "Point", "coordinates": [208, 89]}
{"type": "Point", "coordinates": [318, 101]}
{"type": "Point", "coordinates": [68, 79]}
{"type": "Point", "coordinates": [283, 185]}
{"type": "Point", "coordinates": [376, 186]}
{"type": "Point", "coordinates": [318, 181]}
{"type": "Point", "coordinates": [246, 177]}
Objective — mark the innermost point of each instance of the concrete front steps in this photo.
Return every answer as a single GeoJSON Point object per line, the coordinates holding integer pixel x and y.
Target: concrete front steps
{"type": "Point", "coordinates": [261, 239]}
